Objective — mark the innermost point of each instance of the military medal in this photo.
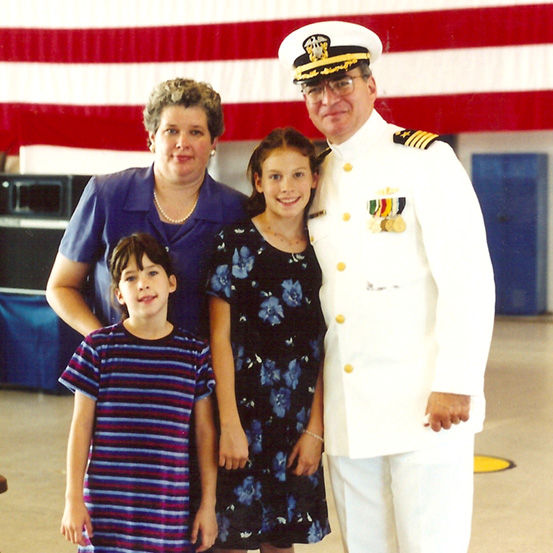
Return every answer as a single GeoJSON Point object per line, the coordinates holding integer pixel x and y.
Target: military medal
{"type": "Point", "coordinates": [386, 215]}
{"type": "Point", "coordinates": [373, 224]}
{"type": "Point", "coordinates": [398, 224]}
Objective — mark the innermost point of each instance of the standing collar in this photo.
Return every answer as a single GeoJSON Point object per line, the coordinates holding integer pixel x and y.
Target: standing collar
{"type": "Point", "coordinates": [370, 133]}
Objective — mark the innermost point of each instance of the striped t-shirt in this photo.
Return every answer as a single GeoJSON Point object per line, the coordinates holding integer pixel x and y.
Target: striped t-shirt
{"type": "Point", "coordinates": [137, 483]}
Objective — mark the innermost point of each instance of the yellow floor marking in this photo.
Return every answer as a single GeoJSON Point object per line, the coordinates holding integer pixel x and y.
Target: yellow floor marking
{"type": "Point", "coordinates": [484, 463]}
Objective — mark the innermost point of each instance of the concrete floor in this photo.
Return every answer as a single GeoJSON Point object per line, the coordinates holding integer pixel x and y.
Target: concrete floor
{"type": "Point", "coordinates": [513, 508]}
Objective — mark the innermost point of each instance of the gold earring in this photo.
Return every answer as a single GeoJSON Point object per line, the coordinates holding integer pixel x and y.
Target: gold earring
{"type": "Point", "coordinates": [153, 148]}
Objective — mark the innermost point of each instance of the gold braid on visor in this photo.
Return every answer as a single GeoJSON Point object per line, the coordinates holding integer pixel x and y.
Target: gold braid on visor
{"type": "Point", "coordinates": [310, 70]}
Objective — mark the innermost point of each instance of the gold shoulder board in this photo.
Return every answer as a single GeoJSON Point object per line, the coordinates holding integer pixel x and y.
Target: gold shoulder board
{"type": "Point", "coordinates": [415, 139]}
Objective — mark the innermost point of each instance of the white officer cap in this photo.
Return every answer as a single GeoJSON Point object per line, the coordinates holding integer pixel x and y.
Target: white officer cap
{"type": "Point", "coordinates": [324, 49]}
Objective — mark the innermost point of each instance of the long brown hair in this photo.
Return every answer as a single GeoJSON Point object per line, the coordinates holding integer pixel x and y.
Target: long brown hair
{"type": "Point", "coordinates": [281, 138]}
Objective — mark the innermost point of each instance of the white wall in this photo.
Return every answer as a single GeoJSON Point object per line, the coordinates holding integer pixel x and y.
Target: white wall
{"type": "Point", "coordinates": [78, 161]}
{"type": "Point", "coordinates": [230, 162]}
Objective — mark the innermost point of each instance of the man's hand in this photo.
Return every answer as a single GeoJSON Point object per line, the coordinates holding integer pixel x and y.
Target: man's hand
{"type": "Point", "coordinates": [443, 410]}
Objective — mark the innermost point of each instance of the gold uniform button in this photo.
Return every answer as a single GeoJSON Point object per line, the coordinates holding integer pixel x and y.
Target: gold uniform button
{"type": "Point", "coordinates": [346, 217]}
{"type": "Point", "coordinates": [340, 319]}
{"type": "Point", "coordinates": [341, 266]}
{"type": "Point", "coordinates": [348, 167]}
{"type": "Point", "coordinates": [348, 368]}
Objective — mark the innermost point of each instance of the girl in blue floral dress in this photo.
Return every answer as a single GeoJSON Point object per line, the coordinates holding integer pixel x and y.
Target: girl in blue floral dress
{"type": "Point", "coordinates": [266, 340]}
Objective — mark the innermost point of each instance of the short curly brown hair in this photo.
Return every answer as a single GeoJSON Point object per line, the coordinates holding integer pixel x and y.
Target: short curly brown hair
{"type": "Point", "coordinates": [187, 93]}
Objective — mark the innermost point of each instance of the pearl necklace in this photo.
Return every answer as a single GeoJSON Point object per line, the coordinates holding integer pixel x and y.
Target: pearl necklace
{"type": "Point", "coordinates": [176, 221]}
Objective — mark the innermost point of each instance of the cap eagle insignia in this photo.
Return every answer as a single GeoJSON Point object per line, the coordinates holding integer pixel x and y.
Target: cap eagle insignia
{"type": "Point", "coordinates": [316, 47]}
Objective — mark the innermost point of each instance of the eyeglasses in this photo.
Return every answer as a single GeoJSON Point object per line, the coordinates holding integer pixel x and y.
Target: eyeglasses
{"type": "Point", "coordinates": [341, 87]}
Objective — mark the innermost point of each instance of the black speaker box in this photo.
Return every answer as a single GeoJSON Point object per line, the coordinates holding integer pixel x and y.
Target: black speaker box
{"type": "Point", "coordinates": [34, 211]}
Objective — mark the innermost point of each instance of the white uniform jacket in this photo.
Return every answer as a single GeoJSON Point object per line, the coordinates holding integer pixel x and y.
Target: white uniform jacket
{"type": "Point", "coordinates": [407, 293]}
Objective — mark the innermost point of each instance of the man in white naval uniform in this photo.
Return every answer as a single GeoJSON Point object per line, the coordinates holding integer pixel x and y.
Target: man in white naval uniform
{"type": "Point", "coordinates": [408, 298]}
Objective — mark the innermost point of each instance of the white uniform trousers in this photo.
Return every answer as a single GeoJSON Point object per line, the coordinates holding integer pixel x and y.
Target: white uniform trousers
{"type": "Point", "coordinates": [416, 502]}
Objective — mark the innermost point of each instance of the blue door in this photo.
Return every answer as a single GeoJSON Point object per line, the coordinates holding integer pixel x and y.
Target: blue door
{"type": "Point", "coordinates": [512, 189]}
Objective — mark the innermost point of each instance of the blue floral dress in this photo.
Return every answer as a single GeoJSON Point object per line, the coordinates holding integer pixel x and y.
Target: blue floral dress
{"type": "Point", "coordinates": [276, 334]}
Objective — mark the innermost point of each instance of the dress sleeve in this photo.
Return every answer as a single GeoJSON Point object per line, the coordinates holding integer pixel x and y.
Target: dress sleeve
{"type": "Point", "coordinates": [205, 378]}
{"type": "Point", "coordinates": [219, 281]}
{"type": "Point", "coordinates": [82, 239]}
{"type": "Point", "coordinates": [83, 371]}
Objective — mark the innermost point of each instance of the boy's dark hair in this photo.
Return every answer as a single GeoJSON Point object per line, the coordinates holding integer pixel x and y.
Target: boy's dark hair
{"type": "Point", "coordinates": [282, 138]}
{"type": "Point", "coordinates": [135, 246]}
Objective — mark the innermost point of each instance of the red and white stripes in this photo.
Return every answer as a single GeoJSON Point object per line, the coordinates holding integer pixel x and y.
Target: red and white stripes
{"type": "Point", "coordinates": [79, 75]}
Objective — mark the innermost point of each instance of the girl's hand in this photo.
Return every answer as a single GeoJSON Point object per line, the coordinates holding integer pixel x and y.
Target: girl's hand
{"type": "Point", "coordinates": [233, 448]}
{"type": "Point", "coordinates": [75, 518]}
{"type": "Point", "coordinates": [308, 451]}
{"type": "Point", "coordinates": [206, 522]}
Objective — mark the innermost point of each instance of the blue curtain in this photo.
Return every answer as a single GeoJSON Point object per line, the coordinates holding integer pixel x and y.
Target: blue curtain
{"type": "Point", "coordinates": [35, 344]}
